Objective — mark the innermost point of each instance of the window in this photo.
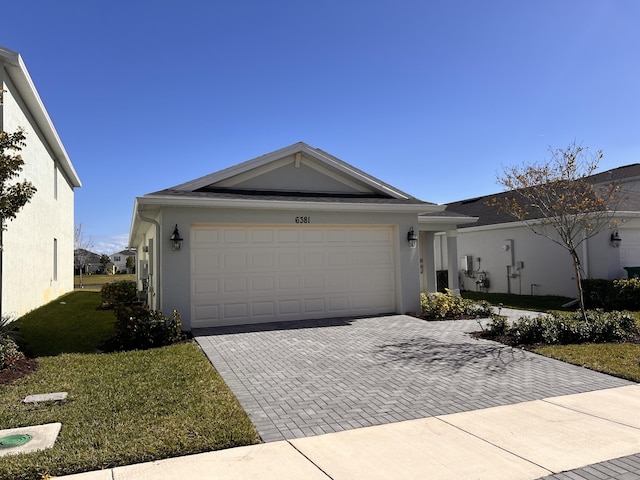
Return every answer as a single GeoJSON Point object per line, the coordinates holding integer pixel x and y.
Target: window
{"type": "Point", "coordinates": [116, 258]}
{"type": "Point", "coordinates": [55, 259]}
{"type": "Point", "coordinates": [55, 181]}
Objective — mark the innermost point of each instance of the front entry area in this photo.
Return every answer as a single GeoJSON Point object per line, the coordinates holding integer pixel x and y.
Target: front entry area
{"type": "Point", "coordinates": [244, 274]}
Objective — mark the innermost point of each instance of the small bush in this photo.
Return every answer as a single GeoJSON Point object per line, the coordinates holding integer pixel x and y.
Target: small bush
{"type": "Point", "coordinates": [123, 292]}
{"type": "Point", "coordinates": [9, 352]}
{"type": "Point", "coordinates": [445, 305]}
{"type": "Point", "coordinates": [137, 327]}
{"type": "Point", "coordinates": [563, 329]}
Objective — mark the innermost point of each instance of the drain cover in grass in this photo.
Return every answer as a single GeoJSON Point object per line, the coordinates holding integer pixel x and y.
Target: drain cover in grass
{"type": "Point", "coordinates": [11, 441]}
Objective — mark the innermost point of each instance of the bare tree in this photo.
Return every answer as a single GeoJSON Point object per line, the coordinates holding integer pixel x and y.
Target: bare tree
{"type": "Point", "coordinates": [558, 199]}
{"type": "Point", "coordinates": [82, 247]}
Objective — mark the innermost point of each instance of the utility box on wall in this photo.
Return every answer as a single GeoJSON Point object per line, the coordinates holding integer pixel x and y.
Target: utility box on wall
{"type": "Point", "coordinates": [507, 248]}
{"type": "Point", "coordinates": [466, 263]}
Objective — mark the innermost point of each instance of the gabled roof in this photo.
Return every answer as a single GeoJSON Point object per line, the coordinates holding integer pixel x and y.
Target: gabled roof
{"type": "Point", "coordinates": [490, 215]}
{"type": "Point", "coordinates": [294, 174]}
{"type": "Point", "coordinates": [17, 71]}
{"type": "Point", "coordinates": [237, 179]}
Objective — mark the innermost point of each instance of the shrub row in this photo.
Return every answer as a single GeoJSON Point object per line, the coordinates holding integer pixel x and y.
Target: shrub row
{"type": "Point", "coordinates": [612, 294]}
{"type": "Point", "coordinates": [137, 327]}
{"type": "Point", "coordinates": [118, 293]}
{"type": "Point", "coordinates": [444, 305]}
{"type": "Point", "coordinates": [599, 327]}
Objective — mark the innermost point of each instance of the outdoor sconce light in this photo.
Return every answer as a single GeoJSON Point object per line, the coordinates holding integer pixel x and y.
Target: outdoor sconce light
{"type": "Point", "coordinates": [615, 239]}
{"type": "Point", "coordinates": [412, 238]}
{"type": "Point", "coordinates": [175, 239]}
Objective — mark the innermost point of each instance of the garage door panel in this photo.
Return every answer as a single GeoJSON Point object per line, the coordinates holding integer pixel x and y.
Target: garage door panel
{"type": "Point", "coordinates": [264, 309]}
{"type": "Point", "coordinates": [206, 286]}
{"type": "Point", "coordinates": [205, 261]}
{"type": "Point", "coordinates": [261, 273]}
{"type": "Point", "coordinates": [235, 286]}
{"type": "Point", "coordinates": [289, 307]}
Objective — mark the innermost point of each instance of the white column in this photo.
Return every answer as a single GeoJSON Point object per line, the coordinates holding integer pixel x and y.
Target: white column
{"type": "Point", "coordinates": [452, 261]}
{"type": "Point", "coordinates": [428, 262]}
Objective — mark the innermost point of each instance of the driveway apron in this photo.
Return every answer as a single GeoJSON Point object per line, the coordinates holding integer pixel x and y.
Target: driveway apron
{"type": "Point", "coordinates": [299, 379]}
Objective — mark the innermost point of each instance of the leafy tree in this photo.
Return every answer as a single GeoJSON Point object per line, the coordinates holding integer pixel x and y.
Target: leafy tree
{"type": "Point", "coordinates": [12, 196]}
{"type": "Point", "coordinates": [104, 261]}
{"type": "Point", "coordinates": [558, 199]}
{"type": "Point", "coordinates": [131, 264]}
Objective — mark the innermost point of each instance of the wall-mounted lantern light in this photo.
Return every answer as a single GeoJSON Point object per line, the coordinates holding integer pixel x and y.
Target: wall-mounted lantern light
{"type": "Point", "coordinates": [175, 239]}
{"type": "Point", "coordinates": [412, 238]}
{"type": "Point", "coordinates": [615, 239]}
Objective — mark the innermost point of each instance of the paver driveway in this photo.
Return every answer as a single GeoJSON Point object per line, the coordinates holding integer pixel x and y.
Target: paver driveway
{"type": "Point", "coordinates": [297, 379]}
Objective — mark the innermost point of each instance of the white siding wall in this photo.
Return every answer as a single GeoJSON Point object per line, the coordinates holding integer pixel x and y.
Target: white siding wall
{"type": "Point", "coordinates": [547, 270]}
{"type": "Point", "coordinates": [28, 277]}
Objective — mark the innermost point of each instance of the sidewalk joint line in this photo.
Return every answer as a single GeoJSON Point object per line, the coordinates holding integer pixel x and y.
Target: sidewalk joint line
{"type": "Point", "coordinates": [309, 459]}
{"type": "Point", "coordinates": [497, 446]}
{"type": "Point", "coordinates": [593, 415]}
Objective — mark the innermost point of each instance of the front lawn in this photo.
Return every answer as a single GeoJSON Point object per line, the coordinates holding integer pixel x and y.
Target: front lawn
{"type": "Point", "coordinates": [618, 359]}
{"type": "Point", "coordinates": [123, 407]}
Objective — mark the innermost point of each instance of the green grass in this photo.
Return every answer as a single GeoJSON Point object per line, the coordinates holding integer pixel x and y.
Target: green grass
{"type": "Point", "coordinates": [95, 282]}
{"type": "Point", "coordinates": [525, 302]}
{"type": "Point", "coordinates": [70, 324]}
{"type": "Point", "coordinates": [618, 359]}
{"type": "Point", "coordinates": [122, 408]}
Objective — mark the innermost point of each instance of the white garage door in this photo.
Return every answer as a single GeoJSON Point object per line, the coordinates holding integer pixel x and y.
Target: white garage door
{"type": "Point", "coordinates": [252, 274]}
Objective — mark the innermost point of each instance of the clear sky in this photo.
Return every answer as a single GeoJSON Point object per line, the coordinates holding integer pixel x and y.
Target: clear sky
{"type": "Point", "coordinates": [433, 97]}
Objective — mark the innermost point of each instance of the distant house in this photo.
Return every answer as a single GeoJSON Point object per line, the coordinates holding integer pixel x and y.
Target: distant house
{"type": "Point", "coordinates": [119, 261]}
{"type": "Point", "coordinates": [37, 254]}
{"type": "Point", "coordinates": [86, 261]}
{"type": "Point", "coordinates": [499, 254]}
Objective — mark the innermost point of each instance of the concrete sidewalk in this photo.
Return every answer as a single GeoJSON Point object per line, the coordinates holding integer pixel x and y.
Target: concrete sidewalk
{"type": "Point", "coordinates": [527, 440]}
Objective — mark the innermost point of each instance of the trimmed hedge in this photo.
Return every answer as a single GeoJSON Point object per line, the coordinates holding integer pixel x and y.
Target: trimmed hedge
{"type": "Point", "coordinates": [444, 305]}
{"type": "Point", "coordinates": [563, 329]}
{"type": "Point", "coordinates": [122, 292]}
{"type": "Point", "coordinates": [137, 327]}
{"type": "Point", "coordinates": [620, 294]}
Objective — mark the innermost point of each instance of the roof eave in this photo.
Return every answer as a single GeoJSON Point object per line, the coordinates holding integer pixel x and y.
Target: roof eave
{"type": "Point", "coordinates": [172, 201]}
{"type": "Point", "coordinates": [20, 76]}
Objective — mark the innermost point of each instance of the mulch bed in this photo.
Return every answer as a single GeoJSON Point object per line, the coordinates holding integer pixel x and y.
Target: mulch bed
{"type": "Point", "coordinates": [18, 369]}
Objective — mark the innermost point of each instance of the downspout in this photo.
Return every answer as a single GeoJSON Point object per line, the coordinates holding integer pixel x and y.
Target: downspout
{"type": "Point", "coordinates": [158, 254]}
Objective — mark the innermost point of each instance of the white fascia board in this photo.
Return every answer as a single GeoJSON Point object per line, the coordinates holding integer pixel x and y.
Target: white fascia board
{"type": "Point", "coordinates": [21, 78]}
{"type": "Point", "coordinates": [285, 152]}
{"type": "Point", "coordinates": [425, 223]}
{"type": "Point", "coordinates": [171, 201]}
{"type": "Point", "coordinates": [238, 169]}
{"type": "Point", "coordinates": [371, 181]}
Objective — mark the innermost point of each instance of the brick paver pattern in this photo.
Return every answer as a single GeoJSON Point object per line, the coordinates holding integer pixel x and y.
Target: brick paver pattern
{"type": "Point", "coordinates": [298, 379]}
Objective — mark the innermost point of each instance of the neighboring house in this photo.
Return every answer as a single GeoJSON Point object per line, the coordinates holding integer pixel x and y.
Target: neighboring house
{"type": "Point", "coordinates": [499, 254]}
{"type": "Point", "coordinates": [119, 261]}
{"type": "Point", "coordinates": [37, 253]}
{"type": "Point", "coordinates": [88, 261]}
{"type": "Point", "coordinates": [294, 234]}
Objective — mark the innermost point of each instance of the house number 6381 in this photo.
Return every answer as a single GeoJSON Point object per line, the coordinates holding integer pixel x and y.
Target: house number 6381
{"type": "Point", "coordinates": [303, 219]}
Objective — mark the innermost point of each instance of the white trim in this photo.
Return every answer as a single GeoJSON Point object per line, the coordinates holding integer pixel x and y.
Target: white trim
{"type": "Point", "coordinates": [285, 152]}
{"type": "Point", "coordinates": [18, 73]}
{"type": "Point", "coordinates": [261, 204]}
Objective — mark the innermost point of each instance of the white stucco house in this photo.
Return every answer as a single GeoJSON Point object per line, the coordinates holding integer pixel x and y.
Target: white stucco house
{"type": "Point", "coordinates": [119, 260]}
{"type": "Point", "coordinates": [37, 246]}
{"type": "Point", "coordinates": [498, 254]}
{"type": "Point", "coordinates": [293, 234]}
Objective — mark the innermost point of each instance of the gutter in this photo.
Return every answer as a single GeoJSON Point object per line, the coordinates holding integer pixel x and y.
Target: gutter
{"type": "Point", "coordinates": [159, 256]}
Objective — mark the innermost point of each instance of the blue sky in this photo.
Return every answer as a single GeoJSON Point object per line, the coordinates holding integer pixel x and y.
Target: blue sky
{"type": "Point", "coordinates": [431, 97]}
